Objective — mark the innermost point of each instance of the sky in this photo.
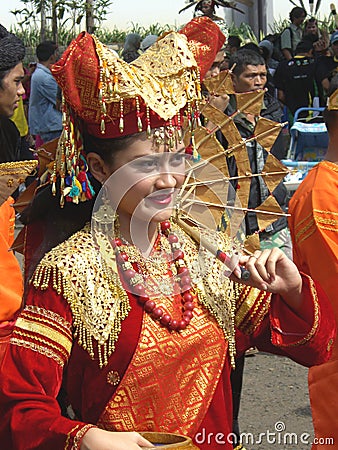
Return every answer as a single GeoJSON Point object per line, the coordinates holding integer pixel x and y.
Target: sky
{"type": "Point", "coordinates": [146, 12]}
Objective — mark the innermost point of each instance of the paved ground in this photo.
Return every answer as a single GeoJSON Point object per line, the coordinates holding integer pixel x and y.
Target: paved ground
{"type": "Point", "coordinates": [275, 404]}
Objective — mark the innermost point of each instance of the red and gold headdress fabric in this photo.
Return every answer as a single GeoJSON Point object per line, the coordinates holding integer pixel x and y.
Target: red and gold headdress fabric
{"type": "Point", "coordinates": [205, 40]}
{"type": "Point", "coordinates": [108, 98]}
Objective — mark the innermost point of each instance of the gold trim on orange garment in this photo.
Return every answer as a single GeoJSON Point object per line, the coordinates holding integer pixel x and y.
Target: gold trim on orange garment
{"type": "Point", "coordinates": [314, 327]}
{"type": "Point", "coordinates": [171, 379]}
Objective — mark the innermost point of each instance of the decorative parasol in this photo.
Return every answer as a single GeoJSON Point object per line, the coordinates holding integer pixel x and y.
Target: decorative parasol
{"type": "Point", "coordinates": [231, 4]}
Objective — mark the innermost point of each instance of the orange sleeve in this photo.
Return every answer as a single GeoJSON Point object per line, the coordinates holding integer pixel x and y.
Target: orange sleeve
{"type": "Point", "coordinates": [314, 230]}
{"type": "Point", "coordinates": [11, 282]}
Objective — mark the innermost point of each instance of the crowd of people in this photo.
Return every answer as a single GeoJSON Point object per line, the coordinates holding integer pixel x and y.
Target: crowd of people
{"type": "Point", "coordinates": [125, 322]}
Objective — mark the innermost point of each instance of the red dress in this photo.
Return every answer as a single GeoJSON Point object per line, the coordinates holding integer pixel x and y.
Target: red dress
{"type": "Point", "coordinates": [120, 370]}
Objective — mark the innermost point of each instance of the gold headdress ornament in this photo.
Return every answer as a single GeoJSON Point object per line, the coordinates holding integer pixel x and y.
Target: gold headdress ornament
{"type": "Point", "coordinates": [332, 104]}
{"type": "Point", "coordinates": [108, 98]}
{"type": "Point", "coordinates": [12, 174]}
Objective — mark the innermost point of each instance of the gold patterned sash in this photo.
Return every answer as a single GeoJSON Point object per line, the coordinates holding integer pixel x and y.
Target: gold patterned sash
{"type": "Point", "coordinates": [171, 379]}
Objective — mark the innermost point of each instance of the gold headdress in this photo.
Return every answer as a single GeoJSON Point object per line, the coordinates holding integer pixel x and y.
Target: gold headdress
{"type": "Point", "coordinates": [332, 104]}
{"type": "Point", "coordinates": [12, 174]}
{"type": "Point", "coordinates": [108, 98]}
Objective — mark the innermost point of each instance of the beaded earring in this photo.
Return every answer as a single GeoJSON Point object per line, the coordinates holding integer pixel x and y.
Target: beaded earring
{"type": "Point", "coordinates": [105, 218]}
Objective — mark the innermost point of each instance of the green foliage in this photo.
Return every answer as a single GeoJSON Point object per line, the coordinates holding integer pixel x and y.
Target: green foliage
{"type": "Point", "coordinates": [108, 36]}
{"type": "Point", "coordinates": [31, 34]}
{"type": "Point", "coordinates": [244, 31]}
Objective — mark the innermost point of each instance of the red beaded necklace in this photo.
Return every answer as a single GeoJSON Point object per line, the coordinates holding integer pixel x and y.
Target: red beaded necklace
{"type": "Point", "coordinates": [134, 281]}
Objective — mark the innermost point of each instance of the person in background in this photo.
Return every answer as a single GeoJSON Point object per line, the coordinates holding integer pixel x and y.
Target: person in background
{"type": "Point", "coordinates": [27, 142]}
{"type": "Point", "coordinates": [232, 44]}
{"type": "Point", "coordinates": [327, 65]}
{"type": "Point", "coordinates": [12, 52]}
{"type": "Point", "coordinates": [149, 40]}
{"type": "Point", "coordinates": [293, 34]}
{"type": "Point", "coordinates": [27, 85]}
{"type": "Point", "coordinates": [267, 49]}
{"type": "Point", "coordinates": [296, 82]}
{"type": "Point", "coordinates": [313, 224]}
{"type": "Point", "coordinates": [207, 8]}
{"type": "Point", "coordinates": [131, 47]}
{"type": "Point", "coordinates": [322, 41]}
{"type": "Point", "coordinates": [44, 119]}
{"type": "Point", "coordinates": [250, 74]}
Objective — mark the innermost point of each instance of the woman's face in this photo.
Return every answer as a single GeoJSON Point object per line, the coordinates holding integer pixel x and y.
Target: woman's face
{"type": "Point", "coordinates": [145, 180]}
{"type": "Point", "coordinates": [11, 90]}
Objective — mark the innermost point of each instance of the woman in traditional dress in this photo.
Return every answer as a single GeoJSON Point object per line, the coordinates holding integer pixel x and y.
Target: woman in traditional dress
{"type": "Point", "coordinates": [132, 325]}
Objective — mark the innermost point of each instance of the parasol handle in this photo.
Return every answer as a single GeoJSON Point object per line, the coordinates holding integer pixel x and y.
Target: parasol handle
{"type": "Point", "coordinates": [221, 256]}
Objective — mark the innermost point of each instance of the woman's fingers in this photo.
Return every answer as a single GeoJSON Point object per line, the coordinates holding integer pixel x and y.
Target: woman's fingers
{"type": "Point", "coordinates": [262, 267]}
{"type": "Point", "coordinates": [142, 442]}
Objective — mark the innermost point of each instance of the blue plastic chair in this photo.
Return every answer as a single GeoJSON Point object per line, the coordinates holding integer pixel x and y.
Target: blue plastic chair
{"type": "Point", "coordinates": [308, 139]}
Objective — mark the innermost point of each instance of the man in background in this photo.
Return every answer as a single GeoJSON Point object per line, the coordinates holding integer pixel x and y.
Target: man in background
{"type": "Point", "coordinates": [295, 80]}
{"type": "Point", "coordinates": [327, 66]}
{"type": "Point", "coordinates": [292, 34]}
{"type": "Point", "coordinates": [44, 119]}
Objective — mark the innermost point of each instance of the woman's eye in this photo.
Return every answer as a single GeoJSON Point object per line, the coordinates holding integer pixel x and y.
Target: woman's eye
{"type": "Point", "coordinates": [177, 159]}
{"type": "Point", "coordinates": [146, 164]}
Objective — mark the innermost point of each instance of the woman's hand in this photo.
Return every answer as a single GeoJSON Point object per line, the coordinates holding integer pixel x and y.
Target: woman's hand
{"type": "Point", "coordinates": [97, 439]}
{"type": "Point", "coordinates": [271, 270]}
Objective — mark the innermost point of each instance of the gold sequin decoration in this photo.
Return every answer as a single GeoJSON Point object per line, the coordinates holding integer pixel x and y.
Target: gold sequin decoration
{"type": "Point", "coordinates": [113, 378]}
{"type": "Point", "coordinates": [93, 290]}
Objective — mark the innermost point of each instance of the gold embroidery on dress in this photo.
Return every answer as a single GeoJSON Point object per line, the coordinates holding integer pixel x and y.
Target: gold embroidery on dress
{"type": "Point", "coordinates": [44, 332]}
{"type": "Point", "coordinates": [326, 220]}
{"type": "Point", "coordinates": [24, 341]}
{"type": "Point", "coordinates": [215, 290]}
{"type": "Point", "coordinates": [113, 377]}
{"type": "Point", "coordinates": [155, 393]}
{"type": "Point", "coordinates": [306, 231]}
{"type": "Point", "coordinates": [53, 335]}
{"type": "Point", "coordinates": [91, 287]}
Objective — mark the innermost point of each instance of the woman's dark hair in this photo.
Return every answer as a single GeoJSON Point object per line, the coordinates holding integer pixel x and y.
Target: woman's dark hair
{"type": "Point", "coordinates": [12, 52]}
{"type": "Point", "coordinates": [108, 147]}
{"type": "Point", "coordinates": [244, 58]}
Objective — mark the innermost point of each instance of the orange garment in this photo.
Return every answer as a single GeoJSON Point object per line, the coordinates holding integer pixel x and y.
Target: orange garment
{"type": "Point", "coordinates": [314, 229]}
{"type": "Point", "coordinates": [11, 283]}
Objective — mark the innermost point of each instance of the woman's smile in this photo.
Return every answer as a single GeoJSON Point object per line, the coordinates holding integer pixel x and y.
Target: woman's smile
{"type": "Point", "coordinates": [161, 198]}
